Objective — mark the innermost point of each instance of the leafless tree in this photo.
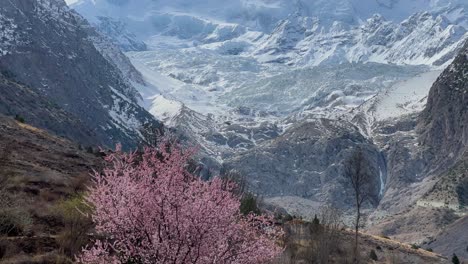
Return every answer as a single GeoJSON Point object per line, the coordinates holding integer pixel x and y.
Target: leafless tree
{"type": "Point", "coordinates": [358, 173]}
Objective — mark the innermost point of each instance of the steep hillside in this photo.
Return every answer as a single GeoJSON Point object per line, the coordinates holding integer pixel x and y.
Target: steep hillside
{"type": "Point", "coordinates": [453, 239]}
{"type": "Point", "coordinates": [52, 50]}
{"type": "Point", "coordinates": [24, 102]}
{"type": "Point", "coordinates": [37, 171]}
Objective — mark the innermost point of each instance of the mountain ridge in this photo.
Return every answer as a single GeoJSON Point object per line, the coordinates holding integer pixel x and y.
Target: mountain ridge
{"type": "Point", "coordinates": [65, 65]}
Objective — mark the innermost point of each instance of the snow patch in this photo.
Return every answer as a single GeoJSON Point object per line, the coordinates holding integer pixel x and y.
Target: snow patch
{"type": "Point", "coordinates": [164, 109]}
{"type": "Point", "coordinates": [405, 97]}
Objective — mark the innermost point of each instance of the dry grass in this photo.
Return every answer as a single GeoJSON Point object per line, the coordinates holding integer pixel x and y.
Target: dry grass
{"type": "Point", "coordinates": [301, 248]}
{"type": "Point", "coordinates": [39, 171]}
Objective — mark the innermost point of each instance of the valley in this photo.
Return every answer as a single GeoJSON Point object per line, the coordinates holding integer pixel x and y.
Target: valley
{"type": "Point", "coordinates": [280, 95]}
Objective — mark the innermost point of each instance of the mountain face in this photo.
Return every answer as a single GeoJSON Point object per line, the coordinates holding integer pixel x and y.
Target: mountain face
{"type": "Point", "coordinates": [426, 163]}
{"type": "Point", "coordinates": [302, 165]}
{"type": "Point", "coordinates": [443, 122]}
{"type": "Point", "coordinates": [53, 52]}
{"type": "Point", "coordinates": [244, 79]}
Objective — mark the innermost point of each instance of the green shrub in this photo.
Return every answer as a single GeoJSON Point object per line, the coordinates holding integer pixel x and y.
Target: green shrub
{"type": "Point", "coordinates": [90, 150]}
{"type": "Point", "coordinates": [430, 250]}
{"type": "Point", "coordinates": [455, 259]}
{"type": "Point", "coordinates": [288, 217]}
{"type": "Point", "coordinates": [316, 221]}
{"type": "Point", "coordinates": [414, 246]}
{"type": "Point", "coordinates": [20, 119]}
{"type": "Point", "coordinates": [76, 225]}
{"type": "Point", "coordinates": [249, 205]}
{"type": "Point", "coordinates": [373, 255]}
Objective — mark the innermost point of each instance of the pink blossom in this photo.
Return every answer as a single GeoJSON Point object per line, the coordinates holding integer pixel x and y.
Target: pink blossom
{"type": "Point", "coordinates": [149, 209]}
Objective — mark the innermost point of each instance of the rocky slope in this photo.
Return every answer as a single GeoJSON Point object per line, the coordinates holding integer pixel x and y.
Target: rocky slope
{"type": "Point", "coordinates": [54, 52]}
{"type": "Point", "coordinates": [24, 102]}
{"type": "Point", "coordinates": [453, 239]}
{"type": "Point", "coordinates": [306, 164]}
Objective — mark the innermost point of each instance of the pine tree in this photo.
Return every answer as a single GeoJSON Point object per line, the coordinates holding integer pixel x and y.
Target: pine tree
{"type": "Point", "coordinates": [455, 259]}
{"type": "Point", "coordinates": [316, 221]}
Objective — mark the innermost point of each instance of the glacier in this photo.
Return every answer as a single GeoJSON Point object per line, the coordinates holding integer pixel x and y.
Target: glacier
{"type": "Point", "coordinates": [236, 76]}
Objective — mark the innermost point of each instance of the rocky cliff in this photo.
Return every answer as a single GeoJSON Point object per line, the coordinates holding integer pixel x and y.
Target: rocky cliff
{"type": "Point", "coordinates": [443, 124]}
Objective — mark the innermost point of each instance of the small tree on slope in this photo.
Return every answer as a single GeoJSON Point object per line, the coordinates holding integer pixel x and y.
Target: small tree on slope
{"type": "Point", "coordinates": [358, 173]}
{"type": "Point", "coordinates": [151, 210]}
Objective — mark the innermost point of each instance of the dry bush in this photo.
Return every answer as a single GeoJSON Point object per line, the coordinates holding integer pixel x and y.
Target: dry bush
{"type": "Point", "coordinates": [48, 258]}
{"type": "Point", "coordinates": [329, 237]}
{"type": "Point", "coordinates": [392, 258]}
{"type": "Point", "coordinates": [79, 182]}
{"type": "Point", "coordinates": [15, 220]}
{"type": "Point", "coordinates": [51, 258]}
{"type": "Point", "coordinates": [48, 196]}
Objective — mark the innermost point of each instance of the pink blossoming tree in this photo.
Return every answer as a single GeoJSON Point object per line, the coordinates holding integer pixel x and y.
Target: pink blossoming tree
{"type": "Point", "coordinates": [149, 209]}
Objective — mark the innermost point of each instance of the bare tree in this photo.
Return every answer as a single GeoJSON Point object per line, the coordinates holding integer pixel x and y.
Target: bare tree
{"type": "Point", "coordinates": [359, 175]}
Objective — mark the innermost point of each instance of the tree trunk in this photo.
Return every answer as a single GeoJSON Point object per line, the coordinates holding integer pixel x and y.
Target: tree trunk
{"type": "Point", "coordinates": [356, 236]}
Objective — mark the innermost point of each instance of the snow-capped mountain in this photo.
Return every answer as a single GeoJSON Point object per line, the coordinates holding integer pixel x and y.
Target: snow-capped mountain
{"type": "Point", "coordinates": [247, 62]}
{"type": "Point", "coordinates": [423, 38]}
{"type": "Point", "coordinates": [55, 58]}
{"type": "Point", "coordinates": [262, 15]}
